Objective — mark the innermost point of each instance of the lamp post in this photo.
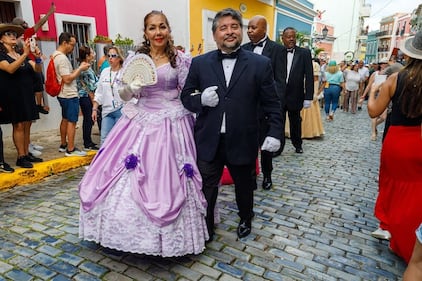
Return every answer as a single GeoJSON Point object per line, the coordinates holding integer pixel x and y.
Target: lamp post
{"type": "Point", "coordinates": [317, 38]}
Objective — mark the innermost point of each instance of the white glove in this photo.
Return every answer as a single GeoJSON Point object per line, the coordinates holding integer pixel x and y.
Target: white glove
{"type": "Point", "coordinates": [271, 144]}
{"type": "Point", "coordinates": [127, 92]}
{"type": "Point", "coordinates": [307, 103]}
{"type": "Point", "coordinates": [209, 97]}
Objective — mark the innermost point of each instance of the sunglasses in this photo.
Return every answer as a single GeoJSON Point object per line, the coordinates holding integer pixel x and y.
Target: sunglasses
{"type": "Point", "coordinates": [113, 56]}
{"type": "Point", "coordinates": [11, 34]}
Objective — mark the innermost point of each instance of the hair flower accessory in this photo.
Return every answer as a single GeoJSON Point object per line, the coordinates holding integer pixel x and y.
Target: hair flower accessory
{"type": "Point", "coordinates": [188, 168]}
{"type": "Point", "coordinates": [131, 161]}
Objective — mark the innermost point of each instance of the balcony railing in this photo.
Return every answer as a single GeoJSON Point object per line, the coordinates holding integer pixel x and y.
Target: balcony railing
{"type": "Point", "coordinates": [383, 49]}
{"type": "Point", "coordinates": [382, 33]}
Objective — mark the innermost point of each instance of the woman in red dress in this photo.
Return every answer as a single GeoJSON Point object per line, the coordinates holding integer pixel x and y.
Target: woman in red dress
{"type": "Point", "coordinates": [399, 206]}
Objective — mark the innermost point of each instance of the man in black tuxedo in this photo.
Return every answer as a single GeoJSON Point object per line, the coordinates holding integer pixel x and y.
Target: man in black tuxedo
{"type": "Point", "coordinates": [226, 89]}
{"type": "Point", "coordinates": [299, 92]}
{"type": "Point", "coordinates": [262, 45]}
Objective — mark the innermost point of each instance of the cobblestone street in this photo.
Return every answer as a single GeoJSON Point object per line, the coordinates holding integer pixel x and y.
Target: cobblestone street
{"type": "Point", "coordinates": [314, 224]}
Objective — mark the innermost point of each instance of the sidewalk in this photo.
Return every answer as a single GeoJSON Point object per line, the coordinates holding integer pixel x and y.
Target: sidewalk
{"type": "Point", "coordinates": [54, 161]}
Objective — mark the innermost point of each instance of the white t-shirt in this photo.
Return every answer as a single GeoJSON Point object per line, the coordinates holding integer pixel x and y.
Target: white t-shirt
{"type": "Point", "coordinates": [64, 67]}
{"type": "Point", "coordinates": [352, 79]}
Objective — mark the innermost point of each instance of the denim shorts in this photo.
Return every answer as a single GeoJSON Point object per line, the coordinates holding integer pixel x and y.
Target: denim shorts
{"type": "Point", "coordinates": [419, 233]}
{"type": "Point", "coordinates": [70, 109]}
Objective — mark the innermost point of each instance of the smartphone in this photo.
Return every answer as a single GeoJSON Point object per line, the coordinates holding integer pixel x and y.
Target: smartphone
{"type": "Point", "coordinates": [380, 78]}
{"type": "Point", "coordinates": [32, 44]}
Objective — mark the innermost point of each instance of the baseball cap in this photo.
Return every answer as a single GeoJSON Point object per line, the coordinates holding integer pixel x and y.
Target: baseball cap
{"type": "Point", "coordinates": [20, 21]}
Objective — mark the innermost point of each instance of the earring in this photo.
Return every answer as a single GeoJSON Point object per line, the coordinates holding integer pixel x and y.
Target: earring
{"type": "Point", "coordinates": [147, 42]}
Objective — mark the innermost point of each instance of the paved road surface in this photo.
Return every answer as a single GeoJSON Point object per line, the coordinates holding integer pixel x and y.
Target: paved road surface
{"type": "Point", "coordinates": [315, 224]}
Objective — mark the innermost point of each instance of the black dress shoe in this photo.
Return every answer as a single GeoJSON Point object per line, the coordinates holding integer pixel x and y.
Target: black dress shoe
{"type": "Point", "coordinates": [32, 158]}
{"type": "Point", "coordinates": [299, 150]}
{"type": "Point", "coordinates": [244, 228]}
{"type": "Point", "coordinates": [267, 183]}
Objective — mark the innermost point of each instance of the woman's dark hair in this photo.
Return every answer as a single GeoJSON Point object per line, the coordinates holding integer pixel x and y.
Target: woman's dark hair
{"type": "Point", "coordinates": [411, 96]}
{"type": "Point", "coordinates": [170, 50]}
{"type": "Point", "coordinates": [84, 52]}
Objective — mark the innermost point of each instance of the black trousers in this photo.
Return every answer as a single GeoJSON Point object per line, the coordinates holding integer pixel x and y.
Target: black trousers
{"type": "Point", "coordinates": [266, 157]}
{"type": "Point", "coordinates": [295, 128]}
{"type": "Point", "coordinates": [244, 184]}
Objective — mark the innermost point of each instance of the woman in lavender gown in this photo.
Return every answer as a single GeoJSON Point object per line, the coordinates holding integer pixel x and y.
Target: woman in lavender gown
{"type": "Point", "coordinates": [142, 191]}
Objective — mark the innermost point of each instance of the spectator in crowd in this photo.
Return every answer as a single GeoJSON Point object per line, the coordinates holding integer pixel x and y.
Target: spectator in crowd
{"type": "Point", "coordinates": [352, 80]}
{"type": "Point", "coordinates": [107, 95]}
{"type": "Point", "coordinates": [30, 33]}
{"type": "Point", "coordinates": [398, 205]}
{"type": "Point", "coordinates": [333, 86]}
{"type": "Point", "coordinates": [87, 83]}
{"type": "Point", "coordinates": [103, 61]}
{"type": "Point", "coordinates": [68, 97]}
{"type": "Point", "coordinates": [17, 90]}
{"type": "Point", "coordinates": [364, 76]}
{"type": "Point", "coordinates": [227, 96]}
{"type": "Point", "coordinates": [142, 191]}
{"type": "Point", "coordinates": [377, 76]}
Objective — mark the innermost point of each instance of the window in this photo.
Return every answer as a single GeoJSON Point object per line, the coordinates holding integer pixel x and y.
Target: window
{"type": "Point", "coordinates": [84, 28]}
{"type": "Point", "coordinates": [7, 11]}
{"type": "Point", "coordinates": [81, 31]}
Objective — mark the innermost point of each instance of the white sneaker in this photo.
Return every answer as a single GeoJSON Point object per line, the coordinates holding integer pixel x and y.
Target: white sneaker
{"type": "Point", "coordinates": [381, 234]}
{"type": "Point", "coordinates": [36, 146]}
{"type": "Point", "coordinates": [75, 152]}
{"type": "Point", "coordinates": [33, 151]}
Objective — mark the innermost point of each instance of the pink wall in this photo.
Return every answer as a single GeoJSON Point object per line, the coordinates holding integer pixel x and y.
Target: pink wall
{"type": "Point", "coordinates": [90, 8]}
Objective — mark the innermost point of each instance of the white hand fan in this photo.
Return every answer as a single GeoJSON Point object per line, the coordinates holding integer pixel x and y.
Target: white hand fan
{"type": "Point", "coordinates": [139, 66]}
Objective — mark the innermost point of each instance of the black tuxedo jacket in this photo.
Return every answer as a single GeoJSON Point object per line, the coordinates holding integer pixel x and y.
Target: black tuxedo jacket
{"type": "Point", "coordinates": [300, 85]}
{"type": "Point", "coordinates": [251, 86]}
{"type": "Point", "coordinates": [273, 51]}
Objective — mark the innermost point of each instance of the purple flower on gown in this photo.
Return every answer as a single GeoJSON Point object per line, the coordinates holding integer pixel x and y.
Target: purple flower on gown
{"type": "Point", "coordinates": [131, 161]}
{"type": "Point", "coordinates": [188, 168]}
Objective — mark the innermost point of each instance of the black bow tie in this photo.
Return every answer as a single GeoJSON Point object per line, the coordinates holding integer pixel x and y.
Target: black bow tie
{"type": "Point", "coordinates": [232, 55]}
{"type": "Point", "coordinates": [290, 50]}
{"type": "Point", "coordinates": [259, 44]}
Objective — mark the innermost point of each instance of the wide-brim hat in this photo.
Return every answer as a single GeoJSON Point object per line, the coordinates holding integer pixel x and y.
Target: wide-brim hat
{"type": "Point", "coordinates": [11, 27]}
{"type": "Point", "coordinates": [412, 46]}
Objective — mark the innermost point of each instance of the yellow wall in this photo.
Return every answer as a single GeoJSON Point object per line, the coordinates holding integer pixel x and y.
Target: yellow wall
{"type": "Point", "coordinates": [254, 7]}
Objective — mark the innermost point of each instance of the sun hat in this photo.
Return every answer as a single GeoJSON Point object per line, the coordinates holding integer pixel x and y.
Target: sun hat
{"type": "Point", "coordinates": [332, 63]}
{"type": "Point", "coordinates": [412, 46]}
{"type": "Point", "coordinates": [11, 27]}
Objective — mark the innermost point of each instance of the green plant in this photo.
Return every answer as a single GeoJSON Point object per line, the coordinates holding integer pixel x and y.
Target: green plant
{"type": "Point", "coordinates": [120, 41]}
{"type": "Point", "coordinates": [101, 38]}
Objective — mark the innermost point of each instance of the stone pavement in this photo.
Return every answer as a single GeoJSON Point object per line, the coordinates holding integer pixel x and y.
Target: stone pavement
{"type": "Point", "coordinates": [315, 224]}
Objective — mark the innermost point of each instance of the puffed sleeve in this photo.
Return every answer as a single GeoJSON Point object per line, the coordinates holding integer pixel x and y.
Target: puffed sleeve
{"type": "Point", "coordinates": [183, 62]}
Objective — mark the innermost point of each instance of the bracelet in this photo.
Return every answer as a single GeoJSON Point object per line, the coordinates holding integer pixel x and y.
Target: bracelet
{"type": "Point", "coordinates": [38, 60]}
{"type": "Point", "coordinates": [94, 109]}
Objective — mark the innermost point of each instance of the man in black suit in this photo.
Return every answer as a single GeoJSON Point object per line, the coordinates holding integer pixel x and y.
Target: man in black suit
{"type": "Point", "coordinates": [262, 45]}
{"type": "Point", "coordinates": [299, 92]}
{"type": "Point", "coordinates": [226, 89]}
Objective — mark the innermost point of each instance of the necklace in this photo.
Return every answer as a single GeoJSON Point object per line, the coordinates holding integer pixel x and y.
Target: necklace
{"type": "Point", "coordinates": [156, 58]}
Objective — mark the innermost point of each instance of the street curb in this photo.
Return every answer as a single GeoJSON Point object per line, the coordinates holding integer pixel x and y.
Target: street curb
{"type": "Point", "coordinates": [42, 170]}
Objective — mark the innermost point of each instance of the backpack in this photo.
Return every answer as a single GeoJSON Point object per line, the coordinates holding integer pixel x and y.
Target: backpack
{"type": "Point", "coordinates": [52, 85]}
